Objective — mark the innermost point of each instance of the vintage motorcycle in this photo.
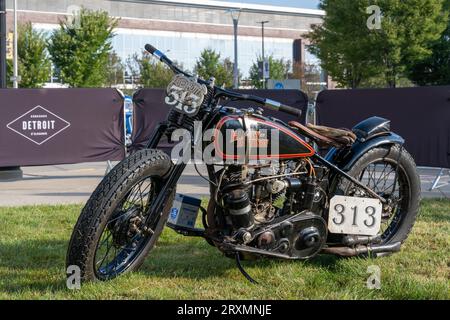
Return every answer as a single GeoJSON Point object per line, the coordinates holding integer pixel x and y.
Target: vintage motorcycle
{"type": "Point", "coordinates": [361, 199]}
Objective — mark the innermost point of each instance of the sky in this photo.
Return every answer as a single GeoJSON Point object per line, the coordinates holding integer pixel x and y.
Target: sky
{"type": "Point", "coordinates": [308, 4]}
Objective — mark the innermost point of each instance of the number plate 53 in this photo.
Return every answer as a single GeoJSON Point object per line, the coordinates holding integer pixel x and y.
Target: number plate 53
{"type": "Point", "coordinates": [186, 95]}
{"type": "Point", "coordinates": [352, 215]}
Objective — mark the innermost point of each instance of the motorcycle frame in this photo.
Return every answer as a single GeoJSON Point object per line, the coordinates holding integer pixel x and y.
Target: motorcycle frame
{"type": "Point", "coordinates": [336, 168]}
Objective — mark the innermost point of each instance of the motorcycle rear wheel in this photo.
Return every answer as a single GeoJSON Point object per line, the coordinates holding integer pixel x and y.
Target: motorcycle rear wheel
{"type": "Point", "coordinates": [378, 169]}
{"type": "Point", "coordinates": [112, 219]}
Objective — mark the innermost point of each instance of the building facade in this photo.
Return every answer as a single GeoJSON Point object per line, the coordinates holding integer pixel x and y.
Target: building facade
{"type": "Point", "coordinates": [184, 28]}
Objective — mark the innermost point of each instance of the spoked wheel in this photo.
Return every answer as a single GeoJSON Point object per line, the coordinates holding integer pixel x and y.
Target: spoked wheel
{"type": "Point", "coordinates": [392, 174]}
{"type": "Point", "coordinates": [125, 234]}
{"type": "Point", "coordinates": [117, 229]}
{"type": "Point", "coordinates": [392, 184]}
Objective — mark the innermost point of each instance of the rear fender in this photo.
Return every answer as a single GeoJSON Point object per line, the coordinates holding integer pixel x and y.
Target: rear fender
{"type": "Point", "coordinates": [345, 159]}
{"type": "Point", "coordinates": [371, 133]}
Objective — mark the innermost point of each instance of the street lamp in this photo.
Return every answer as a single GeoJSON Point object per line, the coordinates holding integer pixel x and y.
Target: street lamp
{"type": "Point", "coordinates": [3, 44]}
{"type": "Point", "coordinates": [262, 23]}
{"type": "Point", "coordinates": [235, 14]}
{"type": "Point", "coordinates": [263, 51]}
{"type": "Point", "coordinates": [15, 77]}
{"type": "Point", "coordinates": [8, 172]}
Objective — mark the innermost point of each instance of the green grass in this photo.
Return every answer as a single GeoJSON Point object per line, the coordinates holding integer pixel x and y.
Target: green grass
{"type": "Point", "coordinates": [33, 243]}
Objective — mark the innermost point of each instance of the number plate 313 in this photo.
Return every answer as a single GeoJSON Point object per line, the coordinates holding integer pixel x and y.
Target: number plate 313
{"type": "Point", "coordinates": [356, 216]}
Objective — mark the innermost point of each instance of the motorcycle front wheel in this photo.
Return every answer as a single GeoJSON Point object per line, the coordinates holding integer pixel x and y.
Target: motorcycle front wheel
{"type": "Point", "coordinates": [110, 237]}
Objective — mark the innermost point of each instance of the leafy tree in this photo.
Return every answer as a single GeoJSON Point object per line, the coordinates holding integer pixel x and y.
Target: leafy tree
{"type": "Point", "coordinates": [380, 82]}
{"type": "Point", "coordinates": [310, 76]}
{"type": "Point", "coordinates": [115, 69]}
{"type": "Point", "coordinates": [80, 48]}
{"type": "Point", "coordinates": [9, 72]}
{"type": "Point", "coordinates": [132, 67]}
{"type": "Point", "coordinates": [210, 65]}
{"type": "Point", "coordinates": [279, 70]}
{"type": "Point", "coordinates": [34, 64]}
{"type": "Point", "coordinates": [343, 43]}
{"type": "Point", "coordinates": [229, 71]}
{"type": "Point", "coordinates": [353, 54]}
{"type": "Point", "coordinates": [149, 72]}
{"type": "Point", "coordinates": [435, 70]}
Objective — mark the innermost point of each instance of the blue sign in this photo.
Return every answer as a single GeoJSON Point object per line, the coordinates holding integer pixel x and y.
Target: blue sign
{"type": "Point", "coordinates": [279, 86]}
{"type": "Point", "coordinates": [173, 213]}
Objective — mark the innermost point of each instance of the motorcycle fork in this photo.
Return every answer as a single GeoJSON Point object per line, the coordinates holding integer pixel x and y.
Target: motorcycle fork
{"type": "Point", "coordinates": [156, 136]}
{"type": "Point", "coordinates": [172, 176]}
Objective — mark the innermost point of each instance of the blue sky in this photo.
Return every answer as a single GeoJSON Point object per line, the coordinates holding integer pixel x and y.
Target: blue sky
{"type": "Point", "coordinates": [310, 4]}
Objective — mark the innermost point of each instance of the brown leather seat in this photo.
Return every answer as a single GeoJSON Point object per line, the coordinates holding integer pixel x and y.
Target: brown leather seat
{"type": "Point", "coordinates": [326, 136]}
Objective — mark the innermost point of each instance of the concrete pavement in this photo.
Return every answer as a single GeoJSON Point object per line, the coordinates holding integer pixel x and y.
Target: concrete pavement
{"type": "Point", "coordinates": [73, 184]}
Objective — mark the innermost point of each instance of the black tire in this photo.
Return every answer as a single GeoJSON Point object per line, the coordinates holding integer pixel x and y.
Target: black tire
{"type": "Point", "coordinates": [408, 183]}
{"type": "Point", "coordinates": [108, 196]}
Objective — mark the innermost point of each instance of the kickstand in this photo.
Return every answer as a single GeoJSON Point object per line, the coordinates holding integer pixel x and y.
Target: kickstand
{"type": "Point", "coordinates": [241, 269]}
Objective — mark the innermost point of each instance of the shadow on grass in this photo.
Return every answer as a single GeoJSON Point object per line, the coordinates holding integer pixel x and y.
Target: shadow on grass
{"type": "Point", "coordinates": [199, 261]}
{"type": "Point", "coordinates": [325, 261]}
{"type": "Point", "coordinates": [35, 265]}
{"type": "Point", "coordinates": [18, 283]}
{"type": "Point", "coordinates": [38, 265]}
{"type": "Point", "coordinates": [33, 254]}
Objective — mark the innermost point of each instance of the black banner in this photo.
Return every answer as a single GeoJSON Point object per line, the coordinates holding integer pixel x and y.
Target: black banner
{"type": "Point", "coordinates": [420, 115]}
{"type": "Point", "coordinates": [150, 109]}
{"type": "Point", "coordinates": [60, 126]}
{"type": "Point", "coordinates": [221, 309]}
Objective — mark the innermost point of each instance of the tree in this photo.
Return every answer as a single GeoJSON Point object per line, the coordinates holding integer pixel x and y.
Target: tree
{"type": "Point", "coordinates": [149, 72]}
{"type": "Point", "coordinates": [210, 65]}
{"type": "Point", "coordinates": [352, 53]}
{"type": "Point", "coordinates": [9, 72]}
{"type": "Point", "coordinates": [435, 70]}
{"type": "Point", "coordinates": [343, 42]}
{"type": "Point", "coordinates": [229, 71]}
{"type": "Point", "coordinates": [132, 73]}
{"type": "Point", "coordinates": [310, 76]}
{"type": "Point", "coordinates": [115, 69]}
{"type": "Point", "coordinates": [279, 70]}
{"type": "Point", "coordinates": [34, 65]}
{"type": "Point", "coordinates": [81, 47]}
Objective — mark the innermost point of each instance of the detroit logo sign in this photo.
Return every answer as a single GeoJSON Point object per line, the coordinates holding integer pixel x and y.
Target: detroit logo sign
{"type": "Point", "coordinates": [38, 125]}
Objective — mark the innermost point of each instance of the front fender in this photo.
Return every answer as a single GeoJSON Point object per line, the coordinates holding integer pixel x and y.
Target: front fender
{"type": "Point", "coordinates": [346, 158]}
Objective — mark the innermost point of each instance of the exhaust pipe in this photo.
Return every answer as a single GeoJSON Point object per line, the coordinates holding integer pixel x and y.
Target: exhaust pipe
{"type": "Point", "coordinates": [355, 240]}
{"type": "Point", "coordinates": [351, 252]}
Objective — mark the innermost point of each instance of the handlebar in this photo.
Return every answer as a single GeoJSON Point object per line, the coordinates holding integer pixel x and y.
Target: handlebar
{"type": "Point", "coordinates": [274, 105]}
{"type": "Point", "coordinates": [151, 49]}
{"type": "Point", "coordinates": [163, 58]}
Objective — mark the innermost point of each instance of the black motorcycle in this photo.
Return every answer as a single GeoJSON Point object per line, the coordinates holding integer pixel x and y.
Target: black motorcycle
{"type": "Point", "coordinates": [272, 194]}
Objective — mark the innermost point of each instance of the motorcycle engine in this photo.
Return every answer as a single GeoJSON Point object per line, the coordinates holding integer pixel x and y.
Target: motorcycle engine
{"type": "Point", "coordinates": [274, 212]}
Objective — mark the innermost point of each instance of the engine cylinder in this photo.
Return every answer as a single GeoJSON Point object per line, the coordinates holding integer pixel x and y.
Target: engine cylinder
{"type": "Point", "coordinates": [239, 207]}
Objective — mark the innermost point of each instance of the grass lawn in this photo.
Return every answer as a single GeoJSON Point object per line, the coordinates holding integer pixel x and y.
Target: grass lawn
{"type": "Point", "coordinates": [33, 244]}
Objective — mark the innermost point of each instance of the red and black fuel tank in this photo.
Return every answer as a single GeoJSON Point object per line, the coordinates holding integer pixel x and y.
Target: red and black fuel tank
{"type": "Point", "coordinates": [257, 138]}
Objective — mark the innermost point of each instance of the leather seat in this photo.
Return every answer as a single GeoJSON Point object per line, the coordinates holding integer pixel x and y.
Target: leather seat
{"type": "Point", "coordinates": [326, 136]}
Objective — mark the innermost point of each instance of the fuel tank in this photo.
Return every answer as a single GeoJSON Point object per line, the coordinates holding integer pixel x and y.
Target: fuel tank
{"type": "Point", "coordinates": [257, 138]}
